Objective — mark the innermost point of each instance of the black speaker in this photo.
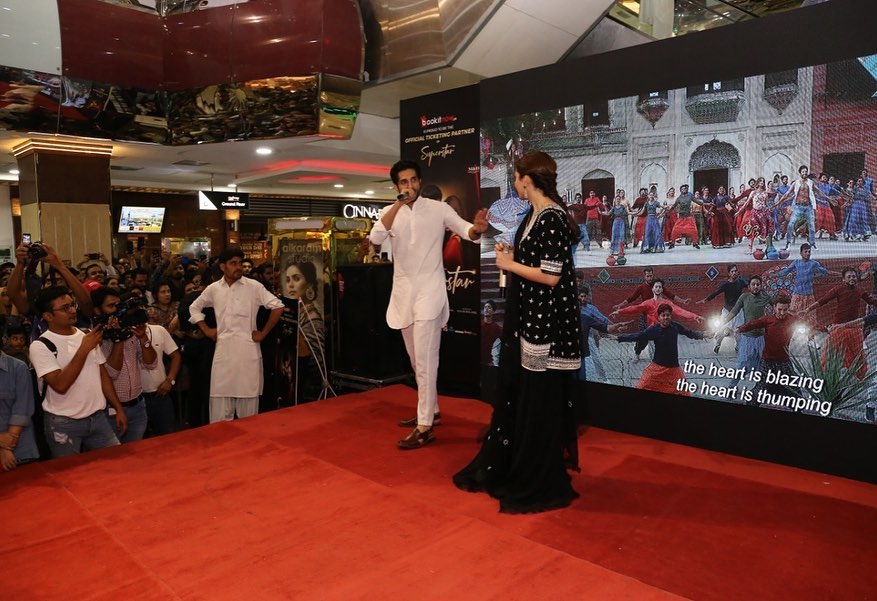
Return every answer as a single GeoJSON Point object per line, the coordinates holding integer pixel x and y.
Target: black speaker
{"type": "Point", "coordinates": [366, 346]}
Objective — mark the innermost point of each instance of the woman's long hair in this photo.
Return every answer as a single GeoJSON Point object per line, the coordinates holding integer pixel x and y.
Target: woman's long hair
{"type": "Point", "coordinates": [542, 169]}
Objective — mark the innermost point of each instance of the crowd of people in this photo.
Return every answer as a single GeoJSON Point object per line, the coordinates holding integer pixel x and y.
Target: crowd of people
{"type": "Point", "coordinates": [105, 352]}
{"type": "Point", "coordinates": [108, 343]}
{"type": "Point", "coordinates": [809, 206]}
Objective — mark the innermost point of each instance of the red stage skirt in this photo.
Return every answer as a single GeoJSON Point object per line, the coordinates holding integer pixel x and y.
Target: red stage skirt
{"type": "Point", "coordinates": [662, 379]}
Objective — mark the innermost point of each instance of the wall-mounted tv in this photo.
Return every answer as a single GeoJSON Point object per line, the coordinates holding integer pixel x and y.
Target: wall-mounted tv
{"type": "Point", "coordinates": [141, 220]}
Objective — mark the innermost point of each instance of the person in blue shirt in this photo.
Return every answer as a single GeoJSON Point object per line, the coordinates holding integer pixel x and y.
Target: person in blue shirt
{"type": "Point", "coordinates": [592, 319]}
{"type": "Point", "coordinates": [779, 211]}
{"type": "Point", "coordinates": [806, 269]}
{"type": "Point", "coordinates": [18, 443]}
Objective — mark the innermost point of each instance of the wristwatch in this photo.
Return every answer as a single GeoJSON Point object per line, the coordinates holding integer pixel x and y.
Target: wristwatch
{"type": "Point", "coordinates": [173, 382]}
{"type": "Point", "coordinates": [147, 344]}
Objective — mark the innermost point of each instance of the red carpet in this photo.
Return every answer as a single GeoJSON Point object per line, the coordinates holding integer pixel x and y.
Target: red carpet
{"type": "Point", "coordinates": [315, 502]}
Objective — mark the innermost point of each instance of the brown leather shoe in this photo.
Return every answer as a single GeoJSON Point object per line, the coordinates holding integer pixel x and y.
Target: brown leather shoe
{"type": "Point", "coordinates": [416, 439]}
{"type": "Point", "coordinates": [412, 421]}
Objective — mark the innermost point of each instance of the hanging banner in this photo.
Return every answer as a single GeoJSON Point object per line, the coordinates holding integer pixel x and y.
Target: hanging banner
{"type": "Point", "coordinates": [441, 133]}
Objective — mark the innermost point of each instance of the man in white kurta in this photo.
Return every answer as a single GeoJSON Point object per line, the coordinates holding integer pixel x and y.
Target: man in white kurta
{"type": "Point", "coordinates": [236, 378]}
{"type": "Point", "coordinates": [419, 301]}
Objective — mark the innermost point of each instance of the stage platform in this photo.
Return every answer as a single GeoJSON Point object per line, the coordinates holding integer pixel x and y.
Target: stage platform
{"type": "Point", "coordinates": [316, 502]}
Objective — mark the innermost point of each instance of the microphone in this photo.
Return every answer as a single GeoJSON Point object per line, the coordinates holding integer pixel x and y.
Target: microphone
{"type": "Point", "coordinates": [502, 277]}
{"type": "Point", "coordinates": [402, 196]}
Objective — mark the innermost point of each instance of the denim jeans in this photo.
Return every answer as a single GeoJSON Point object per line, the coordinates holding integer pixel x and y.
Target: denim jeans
{"type": "Point", "coordinates": [800, 212]}
{"type": "Point", "coordinates": [137, 420]}
{"type": "Point", "coordinates": [160, 411]}
{"type": "Point", "coordinates": [69, 436]}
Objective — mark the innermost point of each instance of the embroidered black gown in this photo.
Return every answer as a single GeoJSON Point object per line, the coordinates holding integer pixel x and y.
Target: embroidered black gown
{"type": "Point", "coordinates": [531, 440]}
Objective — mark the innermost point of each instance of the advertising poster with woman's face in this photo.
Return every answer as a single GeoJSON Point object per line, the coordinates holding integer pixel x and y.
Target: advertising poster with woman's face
{"type": "Point", "coordinates": [301, 272]}
{"type": "Point", "coordinates": [302, 328]}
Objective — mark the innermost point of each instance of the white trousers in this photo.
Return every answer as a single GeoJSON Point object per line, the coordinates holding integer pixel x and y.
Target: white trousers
{"type": "Point", "coordinates": [422, 341]}
{"type": "Point", "coordinates": [223, 408]}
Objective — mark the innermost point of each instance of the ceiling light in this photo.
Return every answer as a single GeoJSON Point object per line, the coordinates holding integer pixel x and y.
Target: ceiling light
{"type": "Point", "coordinates": [264, 150]}
{"type": "Point", "coordinates": [232, 185]}
{"type": "Point", "coordinates": [369, 191]}
{"type": "Point", "coordinates": [339, 185]}
{"type": "Point", "coordinates": [14, 171]}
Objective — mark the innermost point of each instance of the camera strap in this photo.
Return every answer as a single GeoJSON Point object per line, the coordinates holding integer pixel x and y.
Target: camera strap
{"type": "Point", "coordinates": [54, 350]}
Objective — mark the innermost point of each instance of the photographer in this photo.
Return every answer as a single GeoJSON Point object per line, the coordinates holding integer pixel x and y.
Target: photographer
{"type": "Point", "coordinates": [25, 284]}
{"type": "Point", "coordinates": [77, 385]}
{"type": "Point", "coordinates": [127, 349]}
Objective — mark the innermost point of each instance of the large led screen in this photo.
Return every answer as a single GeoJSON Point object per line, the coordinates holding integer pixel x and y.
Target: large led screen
{"type": "Point", "coordinates": [701, 190]}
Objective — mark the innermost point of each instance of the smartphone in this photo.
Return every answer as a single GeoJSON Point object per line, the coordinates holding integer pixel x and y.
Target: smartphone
{"type": "Point", "coordinates": [94, 255]}
{"type": "Point", "coordinates": [25, 238]}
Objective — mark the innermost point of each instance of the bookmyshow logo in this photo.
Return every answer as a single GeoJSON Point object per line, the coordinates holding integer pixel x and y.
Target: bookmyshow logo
{"type": "Point", "coordinates": [430, 121]}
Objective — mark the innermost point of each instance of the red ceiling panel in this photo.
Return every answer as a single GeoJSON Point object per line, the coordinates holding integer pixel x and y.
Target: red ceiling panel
{"type": "Point", "coordinates": [107, 43]}
{"type": "Point", "coordinates": [252, 40]}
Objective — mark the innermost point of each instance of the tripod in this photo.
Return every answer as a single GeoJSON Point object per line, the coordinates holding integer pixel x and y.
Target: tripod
{"type": "Point", "coordinates": [319, 357]}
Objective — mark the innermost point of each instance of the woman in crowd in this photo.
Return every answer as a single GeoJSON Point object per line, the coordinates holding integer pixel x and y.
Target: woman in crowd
{"type": "Point", "coordinates": [163, 311]}
{"type": "Point", "coordinates": [669, 219]}
{"type": "Point", "coordinates": [856, 225]}
{"type": "Point", "coordinates": [113, 282]}
{"type": "Point", "coordinates": [531, 439]}
{"type": "Point", "coordinates": [722, 226]}
{"type": "Point", "coordinates": [653, 239]}
{"type": "Point", "coordinates": [760, 216]}
{"type": "Point", "coordinates": [619, 214]}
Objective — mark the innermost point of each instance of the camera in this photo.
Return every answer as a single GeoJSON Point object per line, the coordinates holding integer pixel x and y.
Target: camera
{"type": "Point", "coordinates": [130, 313]}
{"type": "Point", "coordinates": [35, 252]}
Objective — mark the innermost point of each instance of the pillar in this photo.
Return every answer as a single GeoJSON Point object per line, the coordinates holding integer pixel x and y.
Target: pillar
{"type": "Point", "coordinates": [65, 195]}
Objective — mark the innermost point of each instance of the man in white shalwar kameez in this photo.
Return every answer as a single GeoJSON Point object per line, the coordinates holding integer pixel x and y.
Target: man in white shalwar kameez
{"type": "Point", "coordinates": [419, 301]}
{"type": "Point", "coordinates": [236, 379]}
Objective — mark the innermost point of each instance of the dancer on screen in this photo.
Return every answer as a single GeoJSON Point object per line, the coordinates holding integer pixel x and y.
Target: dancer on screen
{"type": "Point", "coordinates": [663, 373]}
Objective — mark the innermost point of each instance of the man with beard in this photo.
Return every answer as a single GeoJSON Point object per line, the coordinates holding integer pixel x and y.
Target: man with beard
{"type": "Point", "coordinates": [753, 303]}
{"type": "Point", "coordinates": [236, 300]}
{"type": "Point", "coordinates": [419, 299]}
{"type": "Point", "coordinates": [731, 291]}
{"type": "Point", "coordinates": [849, 341]}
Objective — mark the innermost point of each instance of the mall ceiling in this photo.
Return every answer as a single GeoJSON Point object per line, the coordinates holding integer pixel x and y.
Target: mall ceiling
{"type": "Point", "coordinates": [412, 48]}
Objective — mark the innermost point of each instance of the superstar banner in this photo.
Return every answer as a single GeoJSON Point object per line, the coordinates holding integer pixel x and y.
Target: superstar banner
{"type": "Point", "coordinates": [441, 132]}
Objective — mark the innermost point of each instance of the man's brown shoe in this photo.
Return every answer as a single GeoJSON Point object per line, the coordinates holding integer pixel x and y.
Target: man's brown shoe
{"type": "Point", "coordinates": [412, 421]}
{"type": "Point", "coordinates": [416, 439]}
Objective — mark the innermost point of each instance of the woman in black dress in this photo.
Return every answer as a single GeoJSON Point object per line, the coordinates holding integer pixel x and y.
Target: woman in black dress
{"type": "Point", "coordinates": [531, 440]}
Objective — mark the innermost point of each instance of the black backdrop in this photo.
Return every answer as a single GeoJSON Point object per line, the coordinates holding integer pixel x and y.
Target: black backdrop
{"type": "Point", "coordinates": [823, 33]}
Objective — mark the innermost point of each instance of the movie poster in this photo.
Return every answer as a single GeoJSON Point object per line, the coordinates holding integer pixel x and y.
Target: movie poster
{"type": "Point", "coordinates": [440, 131]}
{"type": "Point", "coordinates": [301, 358]}
{"type": "Point", "coordinates": [746, 208]}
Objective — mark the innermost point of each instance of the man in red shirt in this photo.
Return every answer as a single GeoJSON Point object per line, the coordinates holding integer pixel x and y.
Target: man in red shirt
{"type": "Point", "coordinates": [593, 205]}
{"type": "Point", "coordinates": [848, 307]}
{"type": "Point", "coordinates": [643, 292]}
{"type": "Point", "coordinates": [778, 331]}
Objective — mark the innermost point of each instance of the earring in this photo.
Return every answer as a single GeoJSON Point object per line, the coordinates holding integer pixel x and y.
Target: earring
{"type": "Point", "coordinates": [526, 192]}
{"type": "Point", "coordinates": [310, 294]}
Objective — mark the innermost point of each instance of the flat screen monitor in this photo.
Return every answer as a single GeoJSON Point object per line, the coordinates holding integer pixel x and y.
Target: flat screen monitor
{"type": "Point", "coordinates": [141, 220]}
